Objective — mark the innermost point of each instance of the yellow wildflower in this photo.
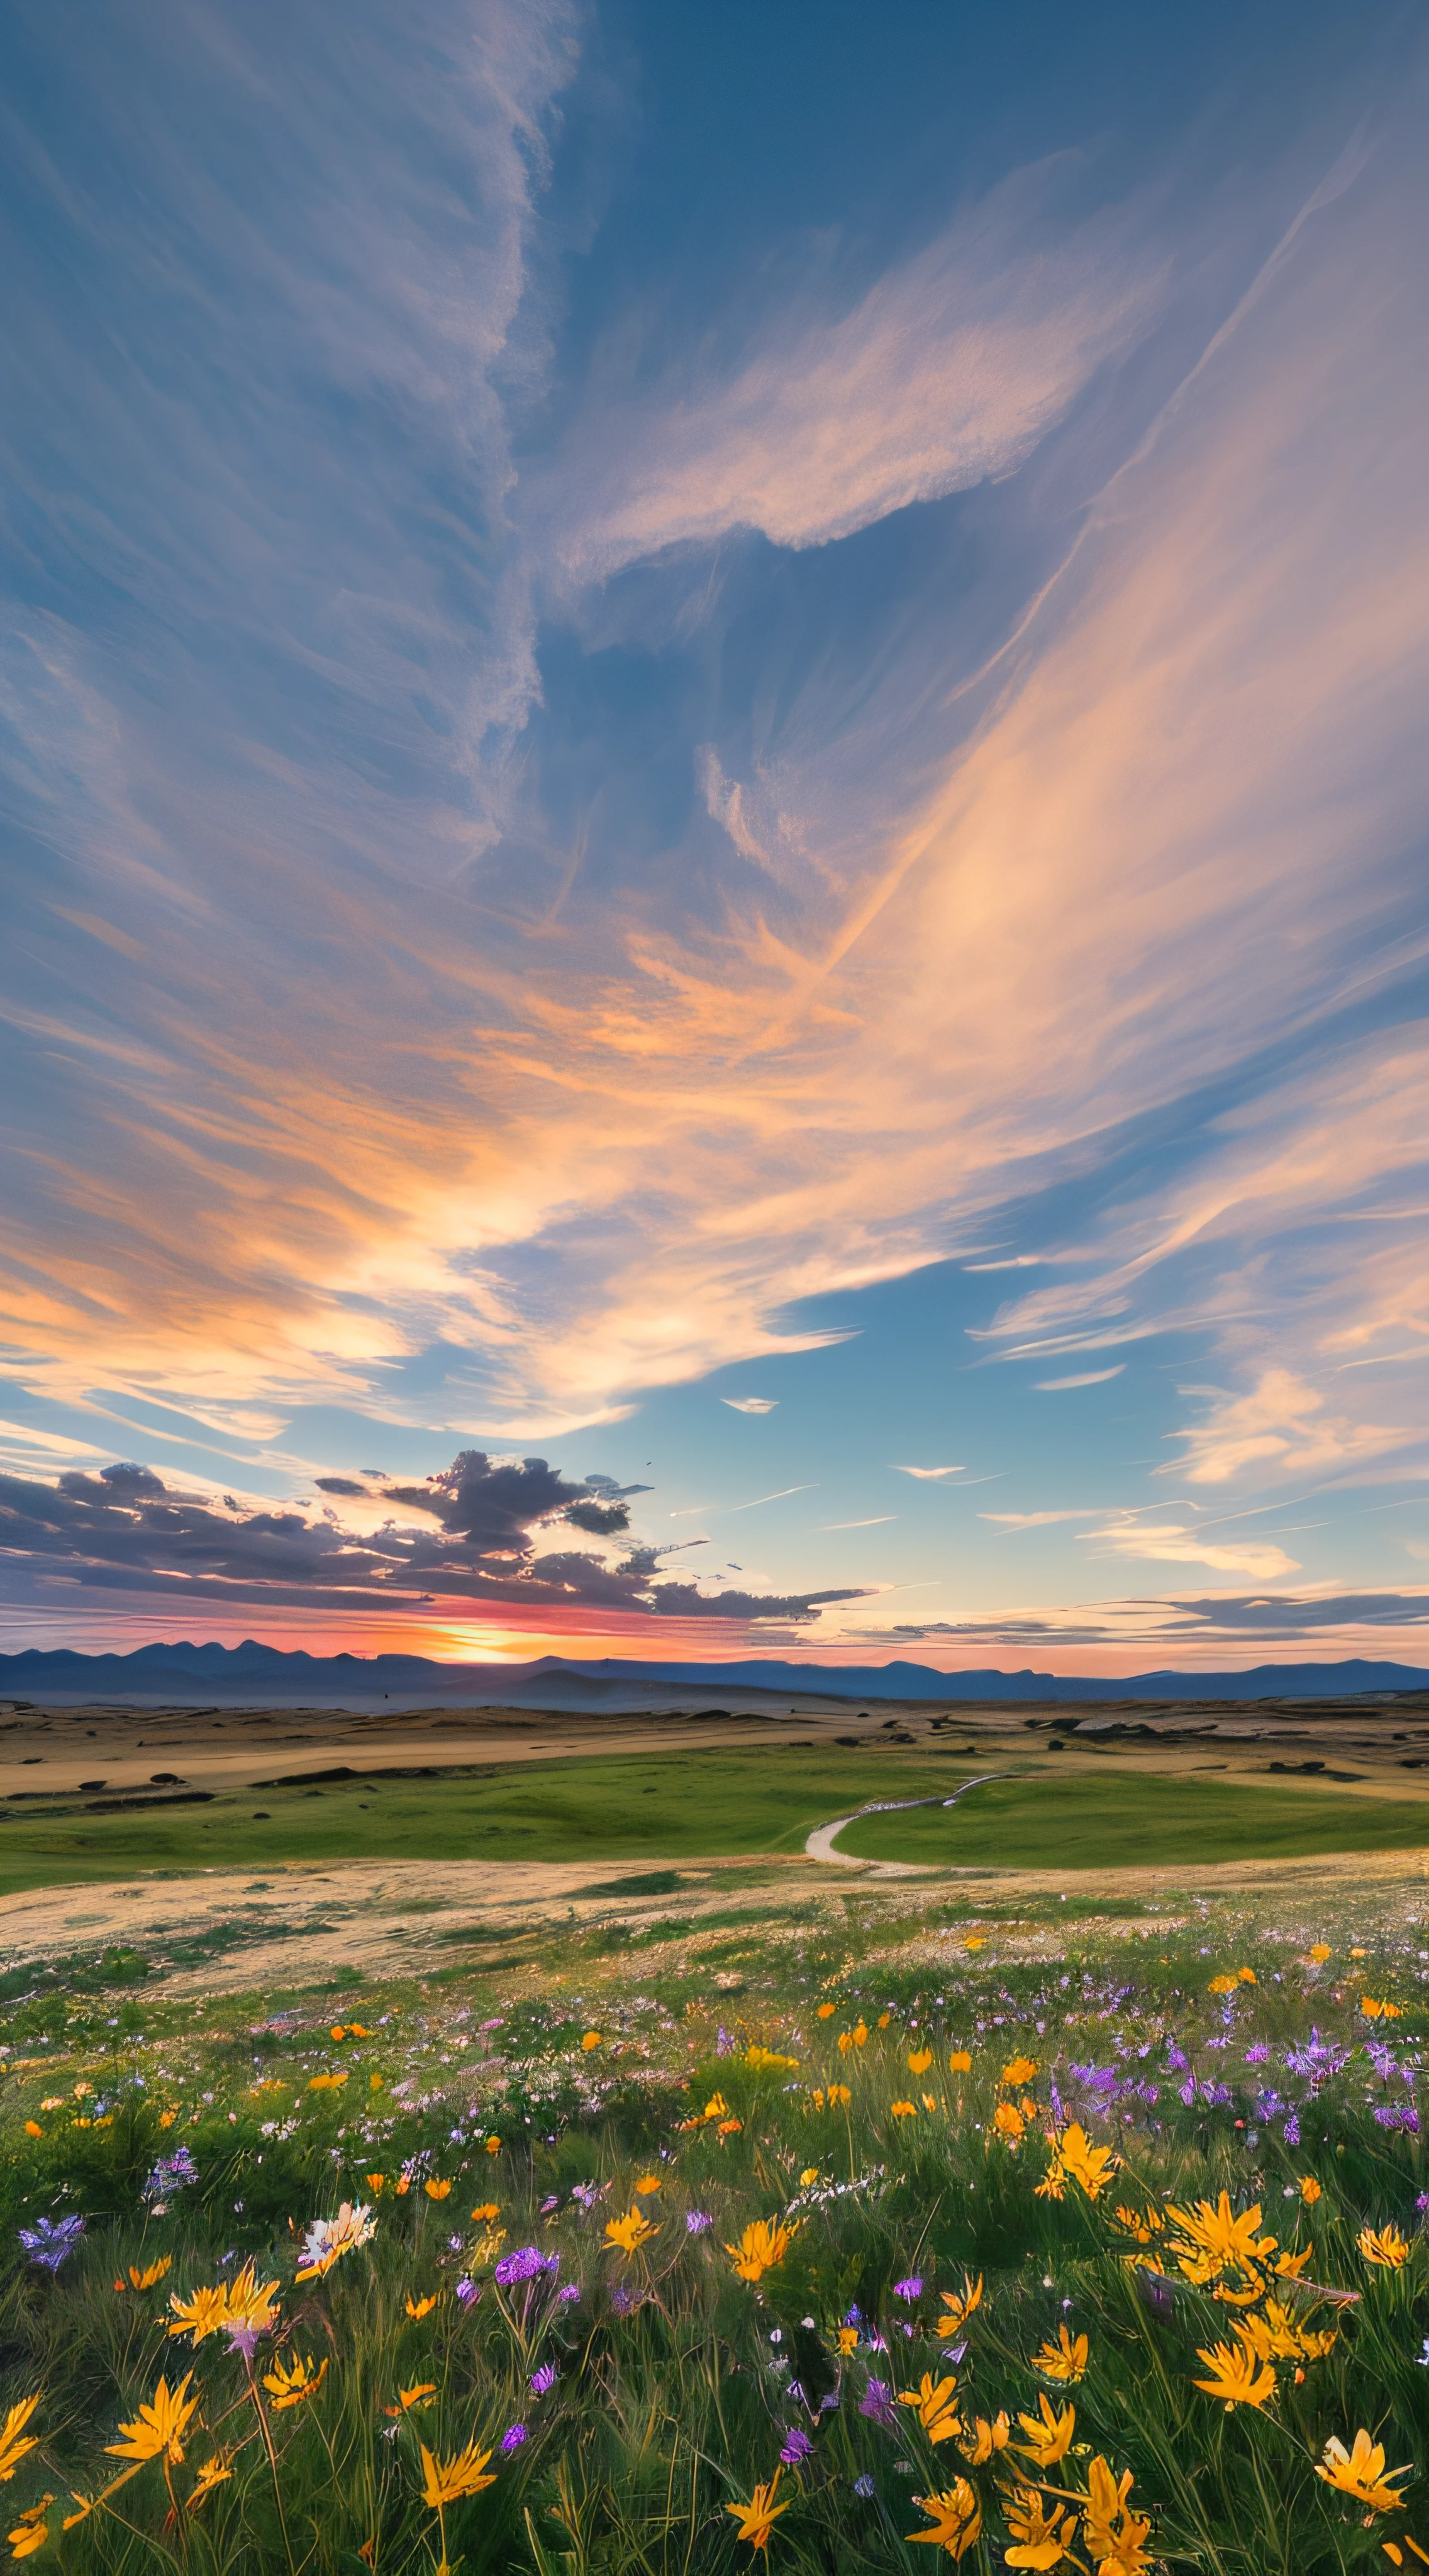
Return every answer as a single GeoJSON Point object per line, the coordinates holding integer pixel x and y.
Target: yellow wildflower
{"type": "Point", "coordinates": [212, 2473]}
{"type": "Point", "coordinates": [423, 2307]}
{"type": "Point", "coordinates": [630, 2232]}
{"type": "Point", "coordinates": [1216, 2241]}
{"type": "Point", "coordinates": [960, 2306]}
{"type": "Point", "coordinates": [884, 2019]}
{"type": "Point", "coordinates": [756, 2519]}
{"type": "Point", "coordinates": [1088, 2166]}
{"type": "Point", "coordinates": [493, 2148]}
{"type": "Point", "coordinates": [592, 2039]}
{"type": "Point", "coordinates": [328, 2083]}
{"type": "Point", "coordinates": [201, 2315]}
{"type": "Point", "coordinates": [810, 2174]}
{"type": "Point", "coordinates": [860, 2033]}
{"type": "Point", "coordinates": [32, 2530]}
{"type": "Point", "coordinates": [1384, 2247]}
{"type": "Point", "coordinates": [1360, 2473]}
{"type": "Point", "coordinates": [33, 2129]}
{"type": "Point", "coordinates": [1319, 1952]}
{"type": "Point", "coordinates": [827, 2011]}
{"type": "Point", "coordinates": [1115, 2538]}
{"type": "Point", "coordinates": [960, 2061]}
{"type": "Point", "coordinates": [1009, 2123]}
{"type": "Point", "coordinates": [903, 2110]}
{"type": "Point", "coordinates": [767, 2061]}
{"type": "Point", "coordinates": [299, 2381]}
{"type": "Point", "coordinates": [250, 2304]}
{"type": "Point", "coordinates": [956, 2517]}
{"type": "Point", "coordinates": [1239, 2375]}
{"type": "Point", "coordinates": [919, 2060]}
{"type": "Point", "coordinates": [376, 2183]}
{"type": "Point", "coordinates": [986, 2439]}
{"type": "Point", "coordinates": [158, 2426]}
{"type": "Point", "coordinates": [1020, 2070]}
{"type": "Point", "coordinates": [1049, 2434]}
{"type": "Point", "coordinates": [447, 2481]}
{"type": "Point", "coordinates": [846, 2339]}
{"type": "Point", "coordinates": [1142, 2224]}
{"type": "Point", "coordinates": [1309, 2190]}
{"type": "Point", "coordinates": [1042, 2539]}
{"type": "Point", "coordinates": [12, 2448]}
{"type": "Point", "coordinates": [839, 2097]}
{"type": "Point", "coordinates": [436, 2189]}
{"type": "Point", "coordinates": [489, 2209]}
{"type": "Point", "coordinates": [1066, 2359]}
{"type": "Point", "coordinates": [414, 2396]}
{"type": "Point", "coordinates": [937, 2406]}
{"type": "Point", "coordinates": [761, 2248]}
{"type": "Point", "coordinates": [151, 2273]}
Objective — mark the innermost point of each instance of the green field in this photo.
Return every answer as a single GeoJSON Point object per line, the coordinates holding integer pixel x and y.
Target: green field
{"type": "Point", "coordinates": [1132, 1820]}
{"type": "Point", "coordinates": [684, 1805]}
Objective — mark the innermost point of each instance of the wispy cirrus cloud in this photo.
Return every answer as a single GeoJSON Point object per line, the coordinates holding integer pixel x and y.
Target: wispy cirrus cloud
{"type": "Point", "coordinates": [946, 370]}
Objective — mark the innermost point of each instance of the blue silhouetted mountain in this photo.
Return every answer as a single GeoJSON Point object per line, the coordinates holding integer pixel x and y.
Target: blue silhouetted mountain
{"type": "Point", "coordinates": [183, 1671]}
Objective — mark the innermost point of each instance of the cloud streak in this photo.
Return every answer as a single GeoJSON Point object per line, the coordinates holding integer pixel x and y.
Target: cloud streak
{"type": "Point", "coordinates": [947, 370]}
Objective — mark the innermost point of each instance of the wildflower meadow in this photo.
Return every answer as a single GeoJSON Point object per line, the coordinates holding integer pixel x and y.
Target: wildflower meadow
{"type": "Point", "coordinates": [1095, 2252]}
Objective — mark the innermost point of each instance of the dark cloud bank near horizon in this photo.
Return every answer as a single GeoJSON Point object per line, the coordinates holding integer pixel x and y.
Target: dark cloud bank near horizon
{"type": "Point", "coordinates": [123, 1529]}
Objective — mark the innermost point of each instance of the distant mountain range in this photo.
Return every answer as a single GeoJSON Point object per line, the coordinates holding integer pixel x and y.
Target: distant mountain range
{"type": "Point", "coordinates": [251, 1671]}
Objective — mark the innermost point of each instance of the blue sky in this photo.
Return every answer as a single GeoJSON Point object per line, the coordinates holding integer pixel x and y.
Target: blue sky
{"type": "Point", "coordinates": [703, 711]}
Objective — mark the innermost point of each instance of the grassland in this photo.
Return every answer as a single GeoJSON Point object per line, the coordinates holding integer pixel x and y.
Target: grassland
{"type": "Point", "coordinates": [681, 1804]}
{"type": "Point", "coordinates": [557, 2155]}
{"type": "Point", "coordinates": [1128, 1819]}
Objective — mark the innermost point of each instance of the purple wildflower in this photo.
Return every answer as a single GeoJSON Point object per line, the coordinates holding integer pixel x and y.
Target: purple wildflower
{"type": "Point", "coordinates": [1292, 2129]}
{"type": "Point", "coordinates": [243, 2337]}
{"type": "Point", "coordinates": [863, 2486]}
{"type": "Point", "coordinates": [877, 2403]}
{"type": "Point", "coordinates": [544, 2379]}
{"type": "Point", "coordinates": [524, 2265]}
{"type": "Point", "coordinates": [1257, 2056]}
{"type": "Point", "coordinates": [171, 2173]}
{"type": "Point", "coordinates": [910, 2289]}
{"type": "Point", "coordinates": [697, 2221]}
{"type": "Point", "coordinates": [1188, 2091]}
{"type": "Point", "coordinates": [796, 2447]}
{"type": "Point", "coordinates": [622, 2300]}
{"type": "Point", "coordinates": [50, 2240]}
{"type": "Point", "coordinates": [571, 2291]}
{"type": "Point", "coordinates": [468, 2293]}
{"type": "Point", "coordinates": [513, 2437]}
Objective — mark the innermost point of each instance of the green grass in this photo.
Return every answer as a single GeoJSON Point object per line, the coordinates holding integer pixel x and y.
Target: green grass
{"type": "Point", "coordinates": [1130, 1821]}
{"type": "Point", "coordinates": [596, 1808]}
{"type": "Point", "coordinates": [675, 1806]}
{"type": "Point", "coordinates": [626, 2400]}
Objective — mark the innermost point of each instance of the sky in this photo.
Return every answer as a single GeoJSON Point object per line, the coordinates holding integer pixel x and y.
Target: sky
{"type": "Point", "coordinates": [715, 785]}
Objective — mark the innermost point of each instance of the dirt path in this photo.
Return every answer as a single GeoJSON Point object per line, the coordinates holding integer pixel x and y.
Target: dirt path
{"type": "Point", "coordinates": [820, 1845]}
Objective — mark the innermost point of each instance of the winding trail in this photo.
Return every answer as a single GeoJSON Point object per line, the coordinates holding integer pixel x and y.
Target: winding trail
{"type": "Point", "coordinates": [820, 1845]}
